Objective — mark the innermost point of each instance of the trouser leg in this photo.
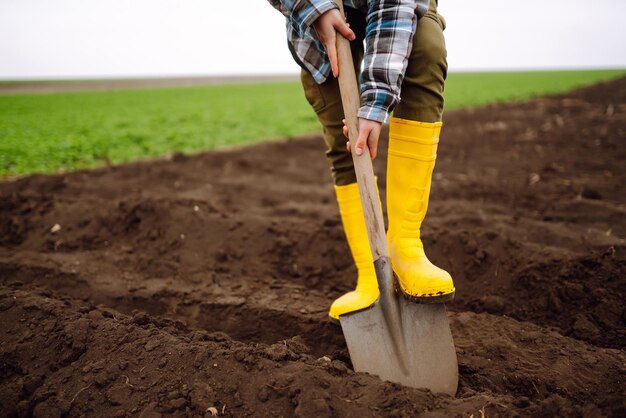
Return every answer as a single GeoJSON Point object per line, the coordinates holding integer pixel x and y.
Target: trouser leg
{"type": "Point", "coordinates": [326, 102]}
{"type": "Point", "coordinates": [424, 79]}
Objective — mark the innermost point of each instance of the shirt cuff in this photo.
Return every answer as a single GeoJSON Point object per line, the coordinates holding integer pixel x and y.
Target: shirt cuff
{"type": "Point", "coordinates": [378, 114]}
{"type": "Point", "coordinates": [312, 9]}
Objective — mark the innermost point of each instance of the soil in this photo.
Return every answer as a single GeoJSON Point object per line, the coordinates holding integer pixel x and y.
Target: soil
{"type": "Point", "coordinates": [199, 285]}
{"type": "Point", "coordinates": [55, 86]}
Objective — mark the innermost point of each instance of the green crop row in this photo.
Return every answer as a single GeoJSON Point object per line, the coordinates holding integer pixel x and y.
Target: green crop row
{"type": "Point", "coordinates": [48, 132]}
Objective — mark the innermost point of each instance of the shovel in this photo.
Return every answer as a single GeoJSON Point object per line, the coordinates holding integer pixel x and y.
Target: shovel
{"type": "Point", "coordinates": [396, 339]}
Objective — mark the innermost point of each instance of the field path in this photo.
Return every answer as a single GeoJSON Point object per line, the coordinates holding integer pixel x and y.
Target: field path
{"type": "Point", "coordinates": [55, 86]}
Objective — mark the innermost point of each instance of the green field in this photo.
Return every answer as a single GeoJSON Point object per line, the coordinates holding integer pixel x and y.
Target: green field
{"type": "Point", "coordinates": [48, 132]}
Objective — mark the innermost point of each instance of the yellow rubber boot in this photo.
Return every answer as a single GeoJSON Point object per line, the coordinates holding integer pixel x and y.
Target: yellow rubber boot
{"type": "Point", "coordinates": [411, 160]}
{"type": "Point", "coordinates": [353, 221]}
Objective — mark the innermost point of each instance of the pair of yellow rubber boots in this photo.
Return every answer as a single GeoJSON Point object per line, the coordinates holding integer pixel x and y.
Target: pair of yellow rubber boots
{"type": "Point", "coordinates": [411, 159]}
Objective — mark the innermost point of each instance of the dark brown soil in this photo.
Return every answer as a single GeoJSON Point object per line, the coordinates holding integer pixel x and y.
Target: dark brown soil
{"type": "Point", "coordinates": [166, 288]}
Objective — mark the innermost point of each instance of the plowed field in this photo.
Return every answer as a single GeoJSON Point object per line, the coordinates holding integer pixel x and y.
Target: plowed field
{"type": "Point", "coordinates": [199, 285]}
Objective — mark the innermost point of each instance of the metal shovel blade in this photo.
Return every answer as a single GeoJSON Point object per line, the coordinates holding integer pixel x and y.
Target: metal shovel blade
{"type": "Point", "coordinates": [402, 341]}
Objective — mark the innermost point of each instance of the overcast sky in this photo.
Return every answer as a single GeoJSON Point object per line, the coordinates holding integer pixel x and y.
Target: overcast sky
{"type": "Point", "coordinates": [135, 38]}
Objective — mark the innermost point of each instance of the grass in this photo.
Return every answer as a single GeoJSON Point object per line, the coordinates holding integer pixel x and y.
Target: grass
{"type": "Point", "coordinates": [47, 132]}
{"type": "Point", "coordinates": [475, 89]}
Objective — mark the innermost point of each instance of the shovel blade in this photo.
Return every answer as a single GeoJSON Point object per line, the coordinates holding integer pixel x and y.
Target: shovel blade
{"type": "Point", "coordinates": [427, 359]}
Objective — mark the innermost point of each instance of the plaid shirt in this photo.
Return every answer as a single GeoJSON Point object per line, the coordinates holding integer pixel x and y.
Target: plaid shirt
{"type": "Point", "coordinates": [389, 36]}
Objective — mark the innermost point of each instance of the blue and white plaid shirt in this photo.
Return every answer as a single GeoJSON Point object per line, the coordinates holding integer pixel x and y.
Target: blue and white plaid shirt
{"type": "Point", "coordinates": [389, 37]}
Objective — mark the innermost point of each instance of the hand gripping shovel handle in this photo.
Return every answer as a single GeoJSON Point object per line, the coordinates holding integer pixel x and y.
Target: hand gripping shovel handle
{"type": "Point", "coordinates": [362, 163]}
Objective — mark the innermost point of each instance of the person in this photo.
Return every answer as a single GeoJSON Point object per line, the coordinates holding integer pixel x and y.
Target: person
{"type": "Point", "coordinates": [402, 47]}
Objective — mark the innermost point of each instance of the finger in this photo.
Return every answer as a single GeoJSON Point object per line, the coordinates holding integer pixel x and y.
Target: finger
{"type": "Point", "coordinates": [348, 146]}
{"type": "Point", "coordinates": [331, 50]}
{"type": "Point", "coordinates": [345, 131]}
{"type": "Point", "coordinates": [344, 29]}
{"type": "Point", "coordinates": [362, 141]}
{"type": "Point", "coordinates": [373, 146]}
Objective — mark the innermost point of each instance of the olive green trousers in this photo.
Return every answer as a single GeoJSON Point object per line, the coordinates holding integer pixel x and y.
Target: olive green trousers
{"type": "Point", "coordinates": [421, 92]}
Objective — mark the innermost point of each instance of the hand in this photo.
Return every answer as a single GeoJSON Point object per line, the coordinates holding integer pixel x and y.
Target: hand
{"type": "Point", "coordinates": [327, 26]}
{"type": "Point", "coordinates": [369, 131]}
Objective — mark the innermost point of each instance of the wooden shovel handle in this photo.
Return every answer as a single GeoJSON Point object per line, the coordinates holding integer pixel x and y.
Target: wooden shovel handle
{"type": "Point", "coordinates": [362, 163]}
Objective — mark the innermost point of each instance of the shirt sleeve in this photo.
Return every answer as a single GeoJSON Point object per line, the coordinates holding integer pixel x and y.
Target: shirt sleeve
{"type": "Point", "coordinates": [391, 25]}
{"type": "Point", "coordinates": [303, 12]}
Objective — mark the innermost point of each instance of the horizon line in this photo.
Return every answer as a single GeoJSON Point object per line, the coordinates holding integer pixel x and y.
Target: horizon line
{"type": "Point", "coordinates": [272, 76]}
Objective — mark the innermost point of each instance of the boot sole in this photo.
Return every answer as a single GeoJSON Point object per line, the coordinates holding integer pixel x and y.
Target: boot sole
{"type": "Point", "coordinates": [426, 300]}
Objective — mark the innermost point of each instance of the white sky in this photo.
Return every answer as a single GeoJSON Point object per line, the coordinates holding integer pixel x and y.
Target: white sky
{"type": "Point", "coordinates": [135, 38]}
